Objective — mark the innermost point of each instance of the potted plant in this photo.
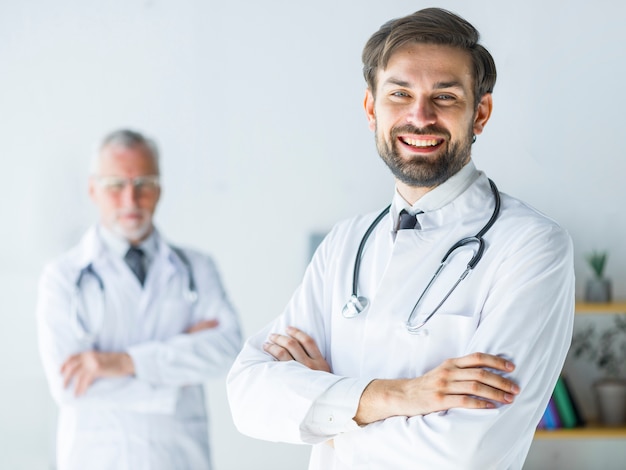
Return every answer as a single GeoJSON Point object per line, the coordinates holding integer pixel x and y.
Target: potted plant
{"type": "Point", "coordinates": [606, 349]}
{"type": "Point", "coordinates": [598, 288]}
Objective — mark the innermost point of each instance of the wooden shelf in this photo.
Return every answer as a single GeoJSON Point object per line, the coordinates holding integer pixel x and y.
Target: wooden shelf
{"type": "Point", "coordinates": [612, 307]}
{"type": "Point", "coordinates": [593, 431]}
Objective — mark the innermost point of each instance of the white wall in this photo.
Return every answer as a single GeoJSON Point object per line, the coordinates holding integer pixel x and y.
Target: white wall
{"type": "Point", "coordinates": [257, 108]}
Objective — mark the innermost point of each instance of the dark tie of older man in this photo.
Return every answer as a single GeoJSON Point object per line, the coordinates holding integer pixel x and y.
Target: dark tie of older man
{"type": "Point", "coordinates": [135, 260]}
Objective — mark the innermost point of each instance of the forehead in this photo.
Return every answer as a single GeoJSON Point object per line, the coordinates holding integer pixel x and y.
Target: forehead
{"type": "Point", "coordinates": [115, 159]}
{"type": "Point", "coordinates": [428, 63]}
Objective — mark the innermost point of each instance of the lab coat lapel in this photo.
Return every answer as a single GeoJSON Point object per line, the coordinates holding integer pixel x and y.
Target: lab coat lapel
{"type": "Point", "coordinates": [91, 249]}
{"type": "Point", "coordinates": [166, 264]}
{"type": "Point", "coordinates": [410, 262]}
{"type": "Point", "coordinates": [384, 329]}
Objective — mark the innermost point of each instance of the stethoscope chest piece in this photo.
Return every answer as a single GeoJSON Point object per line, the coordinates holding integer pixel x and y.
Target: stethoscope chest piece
{"type": "Point", "coordinates": [191, 296]}
{"type": "Point", "coordinates": [417, 330]}
{"type": "Point", "coordinates": [355, 305]}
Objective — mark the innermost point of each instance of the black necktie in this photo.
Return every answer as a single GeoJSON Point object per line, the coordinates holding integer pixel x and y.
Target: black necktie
{"type": "Point", "coordinates": [407, 221]}
{"type": "Point", "coordinates": [134, 259]}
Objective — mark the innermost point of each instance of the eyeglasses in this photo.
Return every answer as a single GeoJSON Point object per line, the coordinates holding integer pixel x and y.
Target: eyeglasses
{"type": "Point", "coordinates": [116, 184]}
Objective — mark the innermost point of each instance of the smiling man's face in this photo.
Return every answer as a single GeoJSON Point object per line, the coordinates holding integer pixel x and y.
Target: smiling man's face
{"type": "Point", "coordinates": [423, 113]}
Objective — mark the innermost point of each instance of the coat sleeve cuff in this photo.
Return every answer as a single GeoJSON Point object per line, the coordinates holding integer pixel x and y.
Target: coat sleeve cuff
{"type": "Point", "coordinates": [333, 411]}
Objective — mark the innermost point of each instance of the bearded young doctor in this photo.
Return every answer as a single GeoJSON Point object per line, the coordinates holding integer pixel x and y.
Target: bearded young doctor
{"type": "Point", "coordinates": [417, 370]}
{"type": "Point", "coordinates": [131, 327]}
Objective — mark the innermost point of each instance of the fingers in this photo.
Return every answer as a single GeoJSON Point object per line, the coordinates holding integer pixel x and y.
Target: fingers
{"type": "Point", "coordinates": [291, 347]}
{"type": "Point", "coordinates": [277, 351]}
{"type": "Point", "coordinates": [83, 381]}
{"type": "Point", "coordinates": [482, 381]}
{"type": "Point", "coordinates": [203, 325]}
{"type": "Point", "coordinates": [479, 390]}
{"type": "Point", "coordinates": [69, 369]}
{"type": "Point", "coordinates": [307, 343]}
{"type": "Point", "coordinates": [472, 381]}
{"type": "Point", "coordinates": [475, 377]}
{"type": "Point", "coordinates": [81, 369]}
{"type": "Point", "coordinates": [298, 346]}
{"type": "Point", "coordinates": [467, 401]}
{"type": "Point", "coordinates": [484, 360]}
{"type": "Point", "coordinates": [84, 368]}
{"type": "Point", "coordinates": [74, 370]}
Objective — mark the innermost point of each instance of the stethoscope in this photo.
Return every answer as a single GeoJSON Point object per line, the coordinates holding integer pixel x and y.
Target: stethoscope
{"type": "Point", "coordinates": [190, 294]}
{"type": "Point", "coordinates": [357, 304]}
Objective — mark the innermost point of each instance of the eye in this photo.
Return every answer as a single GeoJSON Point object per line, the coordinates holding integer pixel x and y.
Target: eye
{"type": "Point", "coordinates": [112, 184]}
{"type": "Point", "coordinates": [445, 97]}
{"type": "Point", "coordinates": [146, 183]}
{"type": "Point", "coordinates": [399, 94]}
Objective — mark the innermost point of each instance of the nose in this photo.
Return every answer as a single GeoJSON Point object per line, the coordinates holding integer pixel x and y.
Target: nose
{"type": "Point", "coordinates": [422, 113]}
{"type": "Point", "coordinates": [129, 194]}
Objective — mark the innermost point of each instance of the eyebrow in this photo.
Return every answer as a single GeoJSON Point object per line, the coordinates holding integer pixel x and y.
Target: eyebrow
{"type": "Point", "coordinates": [397, 82]}
{"type": "Point", "coordinates": [436, 86]}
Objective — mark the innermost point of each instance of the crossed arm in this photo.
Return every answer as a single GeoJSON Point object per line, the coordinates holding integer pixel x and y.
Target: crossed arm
{"type": "Point", "coordinates": [84, 368]}
{"type": "Point", "coordinates": [464, 382]}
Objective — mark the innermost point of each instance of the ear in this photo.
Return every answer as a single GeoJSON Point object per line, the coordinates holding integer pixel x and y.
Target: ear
{"type": "Point", "coordinates": [370, 112]}
{"type": "Point", "coordinates": [92, 189]}
{"type": "Point", "coordinates": [158, 196]}
{"type": "Point", "coordinates": [483, 113]}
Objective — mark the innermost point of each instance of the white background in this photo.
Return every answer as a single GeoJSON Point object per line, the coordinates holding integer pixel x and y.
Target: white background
{"type": "Point", "coordinates": [257, 107]}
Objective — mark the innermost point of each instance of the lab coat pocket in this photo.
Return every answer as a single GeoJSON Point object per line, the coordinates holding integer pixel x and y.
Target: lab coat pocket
{"type": "Point", "coordinates": [445, 336]}
{"type": "Point", "coordinates": [93, 440]}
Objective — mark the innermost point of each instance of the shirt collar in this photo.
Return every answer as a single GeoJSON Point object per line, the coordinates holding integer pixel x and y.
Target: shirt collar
{"type": "Point", "coordinates": [119, 245]}
{"type": "Point", "coordinates": [438, 197]}
{"type": "Point", "coordinates": [93, 249]}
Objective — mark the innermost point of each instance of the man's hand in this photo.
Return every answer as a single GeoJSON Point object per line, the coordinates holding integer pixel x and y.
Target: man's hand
{"type": "Point", "coordinates": [202, 325]}
{"type": "Point", "coordinates": [85, 367]}
{"type": "Point", "coordinates": [463, 382]}
{"type": "Point", "coordinates": [296, 346]}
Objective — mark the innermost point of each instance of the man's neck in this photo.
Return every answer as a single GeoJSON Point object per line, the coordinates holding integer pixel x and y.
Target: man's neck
{"type": "Point", "coordinates": [437, 196]}
{"type": "Point", "coordinates": [412, 194]}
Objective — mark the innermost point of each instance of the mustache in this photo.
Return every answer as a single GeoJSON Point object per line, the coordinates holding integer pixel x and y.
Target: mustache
{"type": "Point", "coordinates": [429, 130]}
{"type": "Point", "coordinates": [131, 211]}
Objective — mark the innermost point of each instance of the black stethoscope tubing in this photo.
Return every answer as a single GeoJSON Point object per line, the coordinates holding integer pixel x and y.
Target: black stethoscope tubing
{"type": "Point", "coordinates": [357, 304]}
{"type": "Point", "coordinates": [191, 287]}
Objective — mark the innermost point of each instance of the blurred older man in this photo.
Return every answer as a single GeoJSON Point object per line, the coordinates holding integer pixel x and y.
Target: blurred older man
{"type": "Point", "coordinates": [130, 327]}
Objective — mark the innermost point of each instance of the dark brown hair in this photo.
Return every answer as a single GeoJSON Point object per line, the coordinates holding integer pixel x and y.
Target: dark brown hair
{"type": "Point", "coordinates": [431, 26]}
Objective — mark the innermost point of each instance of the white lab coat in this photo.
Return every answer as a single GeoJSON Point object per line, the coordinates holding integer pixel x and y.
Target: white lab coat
{"type": "Point", "coordinates": [518, 303]}
{"type": "Point", "coordinates": [157, 418]}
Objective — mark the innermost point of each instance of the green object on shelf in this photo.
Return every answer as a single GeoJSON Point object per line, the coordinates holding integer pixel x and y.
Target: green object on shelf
{"type": "Point", "coordinates": [565, 405]}
{"type": "Point", "coordinates": [597, 261]}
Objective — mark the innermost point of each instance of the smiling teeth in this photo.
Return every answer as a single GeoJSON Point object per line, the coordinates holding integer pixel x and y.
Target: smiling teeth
{"type": "Point", "coordinates": [421, 142]}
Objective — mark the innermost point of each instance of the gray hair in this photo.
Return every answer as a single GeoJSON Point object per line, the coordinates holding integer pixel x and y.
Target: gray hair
{"type": "Point", "coordinates": [126, 138]}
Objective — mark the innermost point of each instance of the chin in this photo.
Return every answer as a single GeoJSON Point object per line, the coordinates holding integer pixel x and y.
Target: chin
{"type": "Point", "coordinates": [134, 233]}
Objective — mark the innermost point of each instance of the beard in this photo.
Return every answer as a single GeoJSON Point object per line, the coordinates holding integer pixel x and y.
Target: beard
{"type": "Point", "coordinates": [424, 171]}
{"type": "Point", "coordinates": [132, 231]}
